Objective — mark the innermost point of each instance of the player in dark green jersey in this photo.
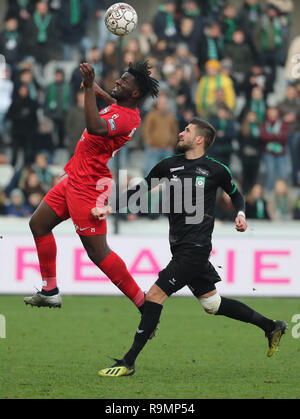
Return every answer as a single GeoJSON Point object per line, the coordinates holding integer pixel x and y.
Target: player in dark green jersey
{"type": "Point", "coordinates": [191, 227]}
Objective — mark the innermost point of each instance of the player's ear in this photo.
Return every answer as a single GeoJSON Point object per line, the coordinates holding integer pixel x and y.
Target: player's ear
{"type": "Point", "coordinates": [136, 94]}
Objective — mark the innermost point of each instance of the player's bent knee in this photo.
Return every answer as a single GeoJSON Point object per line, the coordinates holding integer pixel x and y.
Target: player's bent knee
{"type": "Point", "coordinates": [211, 304]}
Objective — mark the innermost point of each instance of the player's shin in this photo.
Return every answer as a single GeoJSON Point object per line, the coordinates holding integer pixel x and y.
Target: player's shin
{"type": "Point", "coordinates": [148, 323]}
{"type": "Point", "coordinates": [46, 249]}
{"type": "Point", "coordinates": [240, 311]}
{"type": "Point", "coordinates": [115, 269]}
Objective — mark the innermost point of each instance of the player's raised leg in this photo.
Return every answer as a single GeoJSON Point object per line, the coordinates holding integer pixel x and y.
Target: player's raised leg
{"type": "Point", "coordinates": [113, 267]}
{"type": "Point", "coordinates": [41, 224]}
{"type": "Point", "coordinates": [213, 303]}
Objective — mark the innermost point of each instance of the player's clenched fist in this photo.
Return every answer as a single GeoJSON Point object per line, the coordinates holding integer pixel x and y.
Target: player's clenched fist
{"type": "Point", "coordinates": [240, 223]}
{"type": "Point", "coordinates": [88, 75]}
{"type": "Point", "coordinates": [101, 213]}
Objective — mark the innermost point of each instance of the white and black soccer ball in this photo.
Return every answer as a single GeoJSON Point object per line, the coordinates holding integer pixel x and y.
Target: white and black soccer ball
{"type": "Point", "coordinates": [121, 19]}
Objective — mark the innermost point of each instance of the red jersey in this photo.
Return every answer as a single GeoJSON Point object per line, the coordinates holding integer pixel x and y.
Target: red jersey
{"type": "Point", "coordinates": [89, 163]}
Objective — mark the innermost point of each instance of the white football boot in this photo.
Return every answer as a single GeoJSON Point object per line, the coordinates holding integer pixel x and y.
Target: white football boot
{"type": "Point", "coordinates": [41, 300]}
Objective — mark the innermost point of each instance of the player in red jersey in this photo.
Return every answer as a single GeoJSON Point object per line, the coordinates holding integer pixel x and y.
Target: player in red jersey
{"type": "Point", "coordinates": [87, 172]}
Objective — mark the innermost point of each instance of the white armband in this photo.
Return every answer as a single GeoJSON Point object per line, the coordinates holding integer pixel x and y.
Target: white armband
{"type": "Point", "coordinates": [242, 214]}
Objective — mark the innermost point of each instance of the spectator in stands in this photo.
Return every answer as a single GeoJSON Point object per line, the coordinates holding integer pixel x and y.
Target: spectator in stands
{"type": "Point", "coordinates": [110, 60]}
{"type": "Point", "coordinates": [211, 111]}
{"type": "Point", "coordinates": [44, 138]}
{"type": "Point", "coordinates": [250, 149]}
{"type": "Point", "coordinates": [34, 199]}
{"type": "Point", "coordinates": [41, 168]}
{"type": "Point", "coordinates": [268, 40]}
{"type": "Point", "coordinates": [11, 41]}
{"type": "Point", "coordinates": [274, 134]}
{"type": "Point", "coordinates": [94, 58]}
{"type": "Point", "coordinates": [75, 123]}
{"type": "Point", "coordinates": [229, 22]}
{"type": "Point", "coordinates": [147, 39]}
{"type": "Point", "coordinates": [72, 21]}
{"type": "Point", "coordinates": [164, 23]}
{"type": "Point", "coordinates": [23, 116]}
{"type": "Point", "coordinates": [21, 10]}
{"type": "Point", "coordinates": [6, 89]}
{"type": "Point", "coordinates": [17, 206]}
{"type": "Point", "coordinates": [41, 34]}
{"type": "Point", "coordinates": [26, 77]}
{"type": "Point", "coordinates": [3, 203]}
{"type": "Point", "coordinates": [248, 17]}
{"type": "Point", "coordinates": [188, 63]}
{"type": "Point", "coordinates": [222, 147]}
{"type": "Point", "coordinates": [280, 203]}
{"type": "Point", "coordinates": [292, 65]}
{"type": "Point", "coordinates": [256, 104]}
{"type": "Point", "coordinates": [211, 45]}
{"type": "Point", "coordinates": [256, 205]}
{"type": "Point", "coordinates": [290, 112]}
{"type": "Point", "coordinates": [57, 104]}
{"type": "Point", "coordinates": [103, 34]}
{"type": "Point", "coordinates": [160, 131]}
{"type": "Point", "coordinates": [191, 9]}
{"type": "Point", "coordinates": [210, 83]}
{"type": "Point", "coordinates": [32, 185]}
{"type": "Point", "coordinates": [256, 76]}
{"type": "Point", "coordinates": [212, 9]}
{"type": "Point", "coordinates": [240, 54]}
{"type": "Point", "coordinates": [189, 33]}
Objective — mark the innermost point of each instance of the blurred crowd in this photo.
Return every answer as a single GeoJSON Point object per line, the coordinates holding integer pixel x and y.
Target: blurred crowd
{"type": "Point", "coordinates": [232, 63]}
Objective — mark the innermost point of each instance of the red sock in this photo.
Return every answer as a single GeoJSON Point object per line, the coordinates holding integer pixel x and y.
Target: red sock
{"type": "Point", "coordinates": [46, 248]}
{"type": "Point", "coordinates": [116, 270]}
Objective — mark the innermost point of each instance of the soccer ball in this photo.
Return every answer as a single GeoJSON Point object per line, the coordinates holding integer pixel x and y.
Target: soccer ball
{"type": "Point", "coordinates": [121, 19]}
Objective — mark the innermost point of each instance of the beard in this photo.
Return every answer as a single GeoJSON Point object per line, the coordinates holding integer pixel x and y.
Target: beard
{"type": "Point", "coordinates": [182, 148]}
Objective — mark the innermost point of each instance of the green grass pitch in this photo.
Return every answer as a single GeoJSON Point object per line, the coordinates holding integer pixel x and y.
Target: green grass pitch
{"type": "Point", "coordinates": [53, 353]}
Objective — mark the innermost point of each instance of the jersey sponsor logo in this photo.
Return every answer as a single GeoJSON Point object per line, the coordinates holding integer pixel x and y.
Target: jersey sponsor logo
{"type": "Point", "coordinates": [105, 110]}
{"type": "Point", "coordinates": [200, 182]}
{"type": "Point", "coordinates": [201, 171]}
{"type": "Point", "coordinates": [174, 169]}
{"type": "Point", "coordinates": [112, 124]}
{"type": "Point", "coordinates": [115, 116]}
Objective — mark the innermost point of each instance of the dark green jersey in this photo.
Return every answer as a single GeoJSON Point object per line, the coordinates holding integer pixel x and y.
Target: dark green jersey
{"type": "Point", "coordinates": [198, 180]}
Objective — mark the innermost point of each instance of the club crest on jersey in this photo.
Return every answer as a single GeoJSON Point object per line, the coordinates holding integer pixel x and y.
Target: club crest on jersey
{"type": "Point", "coordinates": [174, 169]}
{"type": "Point", "coordinates": [200, 182]}
{"type": "Point", "coordinates": [105, 110]}
{"type": "Point", "coordinates": [201, 171]}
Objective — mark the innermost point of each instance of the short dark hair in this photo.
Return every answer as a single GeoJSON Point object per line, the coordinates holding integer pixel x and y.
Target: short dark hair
{"type": "Point", "coordinates": [145, 83]}
{"type": "Point", "coordinates": [206, 129]}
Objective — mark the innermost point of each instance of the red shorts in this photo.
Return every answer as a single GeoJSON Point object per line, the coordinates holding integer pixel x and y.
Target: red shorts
{"type": "Point", "coordinates": [67, 202]}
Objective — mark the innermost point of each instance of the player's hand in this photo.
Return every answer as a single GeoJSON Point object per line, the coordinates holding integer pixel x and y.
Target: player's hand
{"type": "Point", "coordinates": [88, 75]}
{"type": "Point", "coordinates": [240, 223]}
{"type": "Point", "coordinates": [101, 213]}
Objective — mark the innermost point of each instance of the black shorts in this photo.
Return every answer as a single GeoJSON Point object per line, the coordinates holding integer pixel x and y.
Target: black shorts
{"type": "Point", "coordinates": [196, 272]}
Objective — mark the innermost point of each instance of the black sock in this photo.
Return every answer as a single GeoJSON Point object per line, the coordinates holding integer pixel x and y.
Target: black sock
{"type": "Point", "coordinates": [51, 292]}
{"type": "Point", "coordinates": [146, 327]}
{"type": "Point", "coordinates": [240, 311]}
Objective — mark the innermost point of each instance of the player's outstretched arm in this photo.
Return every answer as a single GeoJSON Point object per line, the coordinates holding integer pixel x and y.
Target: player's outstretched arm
{"type": "Point", "coordinates": [95, 125]}
{"type": "Point", "coordinates": [106, 97]}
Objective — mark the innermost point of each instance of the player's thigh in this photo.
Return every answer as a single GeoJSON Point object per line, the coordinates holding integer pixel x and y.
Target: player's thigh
{"type": "Point", "coordinates": [204, 282]}
{"type": "Point", "coordinates": [43, 220]}
{"type": "Point", "coordinates": [173, 278]}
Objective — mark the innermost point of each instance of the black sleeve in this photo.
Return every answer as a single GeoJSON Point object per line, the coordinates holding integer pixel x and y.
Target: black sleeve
{"type": "Point", "coordinates": [149, 182]}
{"type": "Point", "coordinates": [238, 201]}
{"type": "Point", "coordinates": [229, 186]}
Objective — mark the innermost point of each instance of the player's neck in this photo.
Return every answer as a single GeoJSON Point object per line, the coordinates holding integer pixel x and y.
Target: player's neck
{"type": "Point", "coordinates": [194, 154]}
{"type": "Point", "coordinates": [126, 104]}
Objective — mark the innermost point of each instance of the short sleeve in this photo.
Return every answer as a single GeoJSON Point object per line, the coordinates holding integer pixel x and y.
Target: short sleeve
{"type": "Point", "coordinates": [118, 124]}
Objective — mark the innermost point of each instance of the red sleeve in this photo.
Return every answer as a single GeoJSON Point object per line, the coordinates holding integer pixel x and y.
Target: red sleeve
{"type": "Point", "coordinates": [118, 123]}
